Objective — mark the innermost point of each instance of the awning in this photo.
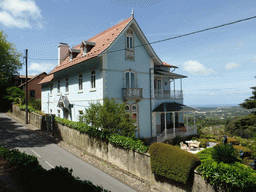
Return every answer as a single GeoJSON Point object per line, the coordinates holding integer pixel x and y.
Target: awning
{"type": "Point", "coordinates": [173, 107]}
{"type": "Point", "coordinates": [63, 102]}
{"type": "Point", "coordinates": [169, 74]}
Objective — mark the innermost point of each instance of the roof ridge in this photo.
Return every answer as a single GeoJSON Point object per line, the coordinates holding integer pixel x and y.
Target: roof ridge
{"type": "Point", "coordinates": [109, 29]}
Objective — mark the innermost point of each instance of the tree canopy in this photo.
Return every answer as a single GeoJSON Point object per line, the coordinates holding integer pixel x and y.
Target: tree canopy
{"type": "Point", "coordinates": [110, 117]}
{"type": "Point", "coordinates": [251, 102]}
{"type": "Point", "coordinates": [9, 60]}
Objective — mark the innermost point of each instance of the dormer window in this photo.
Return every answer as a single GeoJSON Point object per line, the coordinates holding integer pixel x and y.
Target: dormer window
{"type": "Point", "coordinates": [129, 44]}
{"type": "Point", "coordinates": [73, 53]}
{"type": "Point", "coordinates": [87, 46]}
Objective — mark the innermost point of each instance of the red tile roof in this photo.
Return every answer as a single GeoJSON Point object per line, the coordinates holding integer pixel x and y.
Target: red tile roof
{"type": "Point", "coordinates": [47, 79]}
{"type": "Point", "coordinates": [102, 40]}
{"type": "Point", "coordinates": [167, 64]}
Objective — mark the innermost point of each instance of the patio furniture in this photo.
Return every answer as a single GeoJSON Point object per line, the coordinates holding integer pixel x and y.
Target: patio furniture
{"type": "Point", "coordinates": [183, 146]}
{"type": "Point", "coordinates": [194, 144]}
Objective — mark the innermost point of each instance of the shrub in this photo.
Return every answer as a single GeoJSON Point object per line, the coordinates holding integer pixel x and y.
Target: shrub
{"type": "Point", "coordinates": [247, 151]}
{"type": "Point", "coordinates": [36, 177]}
{"type": "Point", "coordinates": [171, 162]}
{"type": "Point", "coordinates": [235, 177]}
{"type": "Point", "coordinates": [224, 153]}
{"type": "Point", "coordinates": [122, 141]}
{"type": "Point", "coordinates": [233, 141]}
{"type": "Point", "coordinates": [176, 140]}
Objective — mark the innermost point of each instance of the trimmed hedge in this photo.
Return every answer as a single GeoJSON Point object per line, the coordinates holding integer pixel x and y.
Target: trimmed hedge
{"type": "Point", "coordinates": [36, 177]}
{"type": "Point", "coordinates": [171, 162]}
{"type": "Point", "coordinates": [122, 141]}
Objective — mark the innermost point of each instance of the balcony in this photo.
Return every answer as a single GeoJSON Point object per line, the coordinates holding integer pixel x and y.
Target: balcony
{"type": "Point", "coordinates": [167, 94]}
{"type": "Point", "coordinates": [132, 93]}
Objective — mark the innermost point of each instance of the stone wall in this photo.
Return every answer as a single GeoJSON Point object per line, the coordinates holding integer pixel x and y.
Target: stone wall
{"type": "Point", "coordinates": [133, 162]}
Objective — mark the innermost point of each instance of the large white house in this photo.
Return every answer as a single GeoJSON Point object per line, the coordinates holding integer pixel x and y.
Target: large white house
{"type": "Point", "coordinates": [118, 63]}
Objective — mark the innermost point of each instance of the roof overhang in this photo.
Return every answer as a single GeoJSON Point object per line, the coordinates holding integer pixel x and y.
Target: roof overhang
{"type": "Point", "coordinates": [47, 79]}
{"type": "Point", "coordinates": [87, 43]}
{"type": "Point", "coordinates": [74, 50]}
{"type": "Point", "coordinates": [173, 107]}
{"type": "Point", "coordinates": [167, 73]}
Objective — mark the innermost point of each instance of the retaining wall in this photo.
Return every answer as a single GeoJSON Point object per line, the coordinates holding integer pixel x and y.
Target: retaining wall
{"type": "Point", "coordinates": [133, 162]}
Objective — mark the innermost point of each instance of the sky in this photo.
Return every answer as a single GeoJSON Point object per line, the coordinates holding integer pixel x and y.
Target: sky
{"type": "Point", "coordinates": [220, 64]}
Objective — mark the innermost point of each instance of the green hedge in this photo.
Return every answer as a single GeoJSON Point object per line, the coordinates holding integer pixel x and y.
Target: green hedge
{"type": "Point", "coordinates": [122, 141]}
{"type": "Point", "coordinates": [229, 177]}
{"type": "Point", "coordinates": [35, 177]}
{"type": "Point", "coordinates": [171, 162]}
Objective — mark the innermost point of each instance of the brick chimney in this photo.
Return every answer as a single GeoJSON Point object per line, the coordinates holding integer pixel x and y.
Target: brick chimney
{"type": "Point", "coordinates": [62, 52]}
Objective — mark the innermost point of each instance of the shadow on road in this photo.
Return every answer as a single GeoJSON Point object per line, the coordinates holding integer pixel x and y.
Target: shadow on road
{"type": "Point", "coordinates": [14, 134]}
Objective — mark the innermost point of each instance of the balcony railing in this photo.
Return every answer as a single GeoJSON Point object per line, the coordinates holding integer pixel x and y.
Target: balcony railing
{"type": "Point", "coordinates": [132, 93]}
{"type": "Point", "coordinates": [167, 94]}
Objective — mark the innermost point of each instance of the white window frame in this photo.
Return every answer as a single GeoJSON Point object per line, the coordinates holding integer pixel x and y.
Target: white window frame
{"type": "Point", "coordinates": [80, 82]}
{"type": "Point", "coordinates": [80, 116]}
{"type": "Point", "coordinates": [58, 112]}
{"type": "Point", "coordinates": [58, 86]}
{"type": "Point", "coordinates": [51, 89]}
{"type": "Point", "coordinates": [67, 85]}
{"type": "Point", "coordinates": [93, 79]}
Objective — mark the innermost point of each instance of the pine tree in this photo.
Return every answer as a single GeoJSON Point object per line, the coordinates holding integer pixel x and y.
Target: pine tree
{"type": "Point", "coordinates": [251, 102]}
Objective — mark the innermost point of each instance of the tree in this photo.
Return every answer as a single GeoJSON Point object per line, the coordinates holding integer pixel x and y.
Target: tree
{"type": "Point", "coordinates": [251, 102]}
{"type": "Point", "coordinates": [15, 95]}
{"type": "Point", "coordinates": [110, 117]}
{"type": "Point", "coordinates": [9, 60]}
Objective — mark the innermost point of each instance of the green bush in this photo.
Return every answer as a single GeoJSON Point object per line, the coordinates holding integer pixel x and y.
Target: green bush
{"type": "Point", "coordinates": [35, 177]}
{"type": "Point", "coordinates": [171, 162]}
{"type": "Point", "coordinates": [235, 177]}
{"type": "Point", "coordinates": [122, 141]}
{"type": "Point", "coordinates": [224, 153]}
{"type": "Point", "coordinates": [128, 143]}
{"type": "Point", "coordinates": [233, 141]}
{"type": "Point", "coordinates": [247, 151]}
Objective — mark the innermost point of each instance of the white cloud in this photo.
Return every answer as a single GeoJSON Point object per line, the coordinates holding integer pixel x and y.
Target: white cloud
{"type": "Point", "coordinates": [40, 67]}
{"type": "Point", "coordinates": [231, 66]}
{"type": "Point", "coordinates": [196, 68]}
{"type": "Point", "coordinates": [20, 13]}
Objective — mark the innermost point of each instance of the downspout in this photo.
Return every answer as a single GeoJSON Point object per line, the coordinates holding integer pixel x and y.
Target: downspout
{"type": "Point", "coordinates": [150, 101]}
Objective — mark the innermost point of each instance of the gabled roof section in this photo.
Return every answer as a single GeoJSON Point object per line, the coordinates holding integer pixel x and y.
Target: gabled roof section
{"type": "Point", "coordinates": [47, 79]}
{"type": "Point", "coordinates": [102, 42]}
{"type": "Point", "coordinates": [32, 78]}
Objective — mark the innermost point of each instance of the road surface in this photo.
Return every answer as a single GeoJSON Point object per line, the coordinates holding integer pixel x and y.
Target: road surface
{"type": "Point", "coordinates": [15, 135]}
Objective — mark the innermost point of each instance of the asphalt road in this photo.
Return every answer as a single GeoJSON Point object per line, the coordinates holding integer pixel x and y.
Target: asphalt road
{"type": "Point", "coordinates": [15, 135]}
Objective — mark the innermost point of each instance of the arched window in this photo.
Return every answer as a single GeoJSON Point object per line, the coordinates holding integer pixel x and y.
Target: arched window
{"type": "Point", "coordinates": [129, 79]}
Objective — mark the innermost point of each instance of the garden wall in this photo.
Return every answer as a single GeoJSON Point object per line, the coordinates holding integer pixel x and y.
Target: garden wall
{"type": "Point", "coordinates": [133, 162]}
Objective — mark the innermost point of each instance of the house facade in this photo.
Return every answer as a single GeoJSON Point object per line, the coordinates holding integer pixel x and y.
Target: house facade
{"type": "Point", "coordinates": [118, 63]}
{"type": "Point", "coordinates": [34, 89]}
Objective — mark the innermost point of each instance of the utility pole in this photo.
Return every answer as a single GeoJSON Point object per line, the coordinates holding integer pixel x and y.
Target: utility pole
{"type": "Point", "coordinates": [26, 86]}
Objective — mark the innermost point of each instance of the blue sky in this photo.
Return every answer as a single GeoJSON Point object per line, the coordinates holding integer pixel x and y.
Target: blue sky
{"type": "Point", "coordinates": [220, 63]}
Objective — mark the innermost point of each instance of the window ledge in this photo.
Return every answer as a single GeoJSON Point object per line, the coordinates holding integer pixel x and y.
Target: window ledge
{"type": "Point", "coordinates": [93, 90]}
{"type": "Point", "coordinates": [58, 94]}
{"type": "Point", "coordinates": [50, 95]}
{"type": "Point", "coordinates": [80, 91]}
{"type": "Point", "coordinates": [66, 93]}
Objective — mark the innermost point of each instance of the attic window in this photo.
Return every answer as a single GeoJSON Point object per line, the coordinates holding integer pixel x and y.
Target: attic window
{"type": "Point", "coordinates": [129, 44]}
{"type": "Point", "coordinates": [73, 53]}
{"type": "Point", "coordinates": [87, 46]}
